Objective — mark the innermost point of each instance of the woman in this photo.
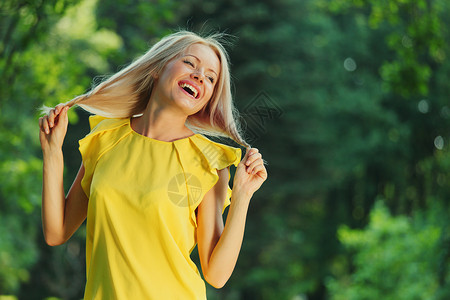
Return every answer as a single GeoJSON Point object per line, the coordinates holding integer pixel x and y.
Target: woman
{"type": "Point", "coordinates": [150, 184]}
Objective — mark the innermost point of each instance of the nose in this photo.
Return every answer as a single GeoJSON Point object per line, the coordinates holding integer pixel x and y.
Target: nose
{"type": "Point", "coordinates": [198, 75]}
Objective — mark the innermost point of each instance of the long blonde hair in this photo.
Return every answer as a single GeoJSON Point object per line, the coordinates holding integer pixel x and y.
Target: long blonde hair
{"type": "Point", "coordinates": [127, 92]}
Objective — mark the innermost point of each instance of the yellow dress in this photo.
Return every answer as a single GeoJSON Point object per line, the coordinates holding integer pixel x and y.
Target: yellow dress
{"type": "Point", "coordinates": [141, 222]}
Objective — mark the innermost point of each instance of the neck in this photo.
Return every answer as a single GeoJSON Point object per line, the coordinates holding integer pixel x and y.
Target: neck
{"type": "Point", "coordinates": [161, 122]}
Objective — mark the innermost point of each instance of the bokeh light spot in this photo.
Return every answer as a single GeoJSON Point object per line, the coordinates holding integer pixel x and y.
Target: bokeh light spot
{"type": "Point", "coordinates": [350, 64]}
{"type": "Point", "coordinates": [445, 112]}
{"type": "Point", "coordinates": [423, 106]}
{"type": "Point", "coordinates": [439, 142]}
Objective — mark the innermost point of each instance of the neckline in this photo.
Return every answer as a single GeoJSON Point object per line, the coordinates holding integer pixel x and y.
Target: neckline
{"type": "Point", "coordinates": [155, 140]}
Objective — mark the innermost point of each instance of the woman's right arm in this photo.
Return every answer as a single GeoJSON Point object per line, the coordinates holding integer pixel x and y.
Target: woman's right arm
{"type": "Point", "coordinates": [61, 215]}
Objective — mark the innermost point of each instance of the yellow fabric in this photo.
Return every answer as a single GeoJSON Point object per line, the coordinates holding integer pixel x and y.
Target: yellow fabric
{"type": "Point", "coordinates": [141, 223]}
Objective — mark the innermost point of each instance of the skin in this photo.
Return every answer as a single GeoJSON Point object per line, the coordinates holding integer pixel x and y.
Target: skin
{"type": "Point", "coordinates": [164, 119]}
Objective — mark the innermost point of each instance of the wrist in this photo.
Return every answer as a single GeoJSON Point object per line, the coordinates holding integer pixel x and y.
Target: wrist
{"type": "Point", "coordinates": [52, 152]}
{"type": "Point", "coordinates": [241, 195]}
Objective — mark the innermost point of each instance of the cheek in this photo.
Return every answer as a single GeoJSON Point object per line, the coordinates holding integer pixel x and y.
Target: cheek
{"type": "Point", "coordinates": [210, 91]}
{"type": "Point", "coordinates": [205, 102]}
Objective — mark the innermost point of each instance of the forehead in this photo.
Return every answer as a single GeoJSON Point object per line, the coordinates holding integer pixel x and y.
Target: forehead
{"type": "Point", "coordinates": [206, 55]}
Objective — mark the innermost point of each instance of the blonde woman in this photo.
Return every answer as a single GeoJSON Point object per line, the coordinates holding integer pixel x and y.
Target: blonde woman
{"type": "Point", "coordinates": [151, 185]}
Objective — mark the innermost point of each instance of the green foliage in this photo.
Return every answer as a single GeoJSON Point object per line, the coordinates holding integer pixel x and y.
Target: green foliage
{"type": "Point", "coordinates": [18, 251]}
{"type": "Point", "coordinates": [363, 92]}
{"type": "Point", "coordinates": [39, 64]}
{"type": "Point", "coordinates": [346, 135]}
{"type": "Point", "coordinates": [8, 298]}
{"type": "Point", "coordinates": [22, 25]}
{"type": "Point", "coordinates": [138, 23]}
{"type": "Point", "coordinates": [393, 258]}
{"type": "Point", "coordinates": [416, 37]}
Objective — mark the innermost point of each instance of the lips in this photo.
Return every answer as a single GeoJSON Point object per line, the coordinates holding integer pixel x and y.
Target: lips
{"type": "Point", "coordinates": [190, 88]}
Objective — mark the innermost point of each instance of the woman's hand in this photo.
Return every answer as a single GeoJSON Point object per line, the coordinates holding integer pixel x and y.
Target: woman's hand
{"type": "Point", "coordinates": [53, 128]}
{"type": "Point", "coordinates": [250, 173]}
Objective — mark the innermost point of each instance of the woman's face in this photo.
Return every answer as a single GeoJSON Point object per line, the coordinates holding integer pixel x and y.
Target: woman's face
{"type": "Point", "coordinates": [188, 80]}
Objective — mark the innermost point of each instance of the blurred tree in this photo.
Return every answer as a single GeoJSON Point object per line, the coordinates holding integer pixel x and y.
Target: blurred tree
{"type": "Point", "coordinates": [416, 37]}
{"type": "Point", "coordinates": [139, 23]}
{"type": "Point", "coordinates": [50, 51]}
{"type": "Point", "coordinates": [332, 118]}
{"type": "Point", "coordinates": [394, 258]}
{"type": "Point", "coordinates": [413, 33]}
{"type": "Point", "coordinates": [23, 24]}
{"type": "Point", "coordinates": [346, 100]}
{"type": "Point", "coordinates": [44, 59]}
{"type": "Point", "coordinates": [411, 174]}
{"type": "Point", "coordinates": [346, 133]}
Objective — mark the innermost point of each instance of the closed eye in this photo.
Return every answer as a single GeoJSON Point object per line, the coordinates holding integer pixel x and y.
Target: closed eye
{"type": "Point", "coordinates": [211, 79]}
{"type": "Point", "coordinates": [188, 62]}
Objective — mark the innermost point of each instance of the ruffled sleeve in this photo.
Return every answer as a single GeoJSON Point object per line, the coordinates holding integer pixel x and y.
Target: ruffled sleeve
{"type": "Point", "coordinates": [101, 138]}
{"type": "Point", "coordinates": [215, 156]}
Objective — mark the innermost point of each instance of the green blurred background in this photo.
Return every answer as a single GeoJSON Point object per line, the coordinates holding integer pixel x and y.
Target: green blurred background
{"type": "Point", "coordinates": [348, 101]}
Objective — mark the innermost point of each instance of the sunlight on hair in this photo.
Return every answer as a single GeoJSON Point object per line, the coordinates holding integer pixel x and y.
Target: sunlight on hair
{"type": "Point", "coordinates": [127, 92]}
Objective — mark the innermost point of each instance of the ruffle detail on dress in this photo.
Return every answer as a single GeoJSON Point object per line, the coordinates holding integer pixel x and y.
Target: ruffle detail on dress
{"type": "Point", "coordinates": [210, 157]}
{"type": "Point", "coordinates": [105, 133]}
{"type": "Point", "coordinates": [94, 120]}
{"type": "Point", "coordinates": [199, 157]}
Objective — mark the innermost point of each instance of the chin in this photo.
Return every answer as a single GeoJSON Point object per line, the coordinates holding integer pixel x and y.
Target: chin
{"type": "Point", "coordinates": [187, 106]}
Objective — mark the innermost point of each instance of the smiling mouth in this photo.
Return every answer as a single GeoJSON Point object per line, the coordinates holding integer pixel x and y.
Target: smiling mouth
{"type": "Point", "coordinates": [189, 89]}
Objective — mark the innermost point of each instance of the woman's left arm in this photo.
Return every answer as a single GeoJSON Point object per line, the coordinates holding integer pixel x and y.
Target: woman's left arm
{"type": "Point", "coordinates": [219, 245]}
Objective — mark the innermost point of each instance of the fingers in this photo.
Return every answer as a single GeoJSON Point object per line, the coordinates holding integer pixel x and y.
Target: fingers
{"type": "Point", "coordinates": [51, 118]}
{"type": "Point", "coordinates": [43, 124]}
{"type": "Point", "coordinates": [249, 152]}
{"type": "Point", "coordinates": [57, 114]}
{"type": "Point", "coordinates": [254, 166]}
{"type": "Point", "coordinates": [251, 155]}
{"type": "Point", "coordinates": [252, 160]}
{"type": "Point", "coordinates": [260, 170]}
{"type": "Point", "coordinates": [63, 116]}
{"type": "Point", "coordinates": [53, 114]}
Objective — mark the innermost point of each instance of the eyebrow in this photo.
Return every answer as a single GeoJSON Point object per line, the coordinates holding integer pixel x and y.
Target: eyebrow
{"type": "Point", "coordinates": [200, 61]}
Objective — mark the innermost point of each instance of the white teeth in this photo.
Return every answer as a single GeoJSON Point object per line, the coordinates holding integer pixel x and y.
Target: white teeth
{"type": "Point", "coordinates": [194, 90]}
